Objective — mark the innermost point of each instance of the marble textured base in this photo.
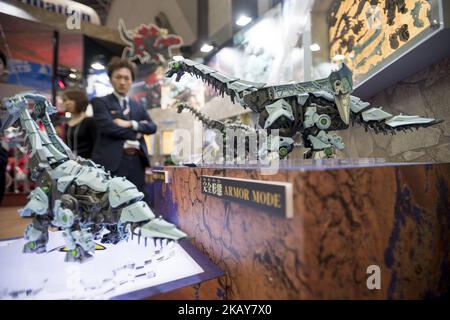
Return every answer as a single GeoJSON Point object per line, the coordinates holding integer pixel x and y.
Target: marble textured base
{"type": "Point", "coordinates": [345, 219]}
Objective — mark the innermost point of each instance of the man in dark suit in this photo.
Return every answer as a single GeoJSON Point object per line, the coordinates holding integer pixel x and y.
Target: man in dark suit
{"type": "Point", "coordinates": [3, 173]}
{"type": "Point", "coordinates": [121, 124]}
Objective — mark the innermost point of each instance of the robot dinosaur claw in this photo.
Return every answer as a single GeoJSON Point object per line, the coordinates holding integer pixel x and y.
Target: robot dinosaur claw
{"type": "Point", "coordinates": [125, 196]}
{"type": "Point", "coordinates": [159, 228]}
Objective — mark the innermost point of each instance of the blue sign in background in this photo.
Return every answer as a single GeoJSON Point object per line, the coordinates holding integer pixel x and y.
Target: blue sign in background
{"type": "Point", "coordinates": [35, 75]}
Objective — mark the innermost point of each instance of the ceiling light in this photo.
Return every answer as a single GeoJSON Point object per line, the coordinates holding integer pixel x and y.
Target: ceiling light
{"type": "Point", "coordinates": [314, 47]}
{"type": "Point", "coordinates": [97, 66]}
{"type": "Point", "coordinates": [206, 48]}
{"type": "Point", "coordinates": [243, 20]}
{"type": "Point", "coordinates": [338, 57]}
{"type": "Point", "coordinates": [72, 76]}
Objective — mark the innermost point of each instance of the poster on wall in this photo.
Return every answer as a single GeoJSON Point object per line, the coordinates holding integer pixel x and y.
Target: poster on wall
{"type": "Point", "coordinates": [148, 43]}
{"type": "Point", "coordinates": [365, 35]}
{"type": "Point", "coordinates": [34, 75]}
{"type": "Point", "coordinates": [151, 48]}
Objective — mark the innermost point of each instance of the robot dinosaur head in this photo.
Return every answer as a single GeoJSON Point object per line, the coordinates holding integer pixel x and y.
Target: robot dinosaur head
{"type": "Point", "coordinates": [10, 109]}
{"type": "Point", "coordinates": [342, 86]}
{"type": "Point", "coordinates": [174, 67]}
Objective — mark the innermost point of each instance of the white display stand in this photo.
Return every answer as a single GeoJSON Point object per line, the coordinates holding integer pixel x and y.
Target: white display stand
{"type": "Point", "coordinates": [130, 269]}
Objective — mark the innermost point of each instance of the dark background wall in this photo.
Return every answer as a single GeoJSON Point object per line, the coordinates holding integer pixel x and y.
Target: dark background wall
{"type": "Point", "coordinates": [427, 93]}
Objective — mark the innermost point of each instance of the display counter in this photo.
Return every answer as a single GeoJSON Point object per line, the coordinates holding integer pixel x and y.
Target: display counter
{"type": "Point", "coordinates": [358, 231]}
{"type": "Point", "coordinates": [129, 270]}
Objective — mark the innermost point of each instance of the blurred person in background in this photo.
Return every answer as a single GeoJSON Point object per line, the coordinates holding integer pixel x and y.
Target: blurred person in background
{"type": "Point", "coordinates": [80, 130]}
{"type": "Point", "coordinates": [121, 123]}
{"type": "Point", "coordinates": [3, 67]}
{"type": "Point", "coordinates": [5, 178]}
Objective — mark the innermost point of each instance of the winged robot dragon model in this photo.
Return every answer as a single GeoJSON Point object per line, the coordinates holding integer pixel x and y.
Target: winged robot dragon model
{"type": "Point", "coordinates": [312, 109]}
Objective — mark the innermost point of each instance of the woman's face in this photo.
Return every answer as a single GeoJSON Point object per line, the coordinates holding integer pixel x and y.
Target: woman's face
{"type": "Point", "coordinates": [69, 105]}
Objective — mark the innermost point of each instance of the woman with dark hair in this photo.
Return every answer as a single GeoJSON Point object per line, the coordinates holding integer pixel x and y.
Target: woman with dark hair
{"type": "Point", "coordinates": [3, 163]}
{"type": "Point", "coordinates": [80, 130]}
{"type": "Point", "coordinates": [3, 68]}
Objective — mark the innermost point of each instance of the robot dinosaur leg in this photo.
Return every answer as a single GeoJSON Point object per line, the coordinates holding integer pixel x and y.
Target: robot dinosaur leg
{"type": "Point", "coordinates": [37, 203]}
{"type": "Point", "coordinates": [36, 233]}
{"type": "Point", "coordinates": [278, 116]}
{"type": "Point", "coordinates": [117, 233]}
{"type": "Point", "coordinates": [80, 245]}
{"type": "Point", "coordinates": [79, 242]}
{"type": "Point", "coordinates": [323, 145]}
{"type": "Point", "coordinates": [316, 137]}
{"type": "Point", "coordinates": [277, 144]}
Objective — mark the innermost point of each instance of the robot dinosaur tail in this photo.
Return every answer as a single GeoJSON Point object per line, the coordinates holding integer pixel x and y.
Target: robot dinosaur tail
{"type": "Point", "coordinates": [214, 124]}
{"type": "Point", "coordinates": [382, 122]}
{"type": "Point", "coordinates": [207, 121]}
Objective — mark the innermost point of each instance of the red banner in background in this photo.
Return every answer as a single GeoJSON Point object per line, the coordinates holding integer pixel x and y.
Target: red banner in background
{"type": "Point", "coordinates": [29, 41]}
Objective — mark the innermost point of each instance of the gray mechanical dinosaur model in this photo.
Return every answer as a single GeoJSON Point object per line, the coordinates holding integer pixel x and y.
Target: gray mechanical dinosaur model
{"type": "Point", "coordinates": [236, 129]}
{"type": "Point", "coordinates": [312, 109]}
{"type": "Point", "coordinates": [211, 123]}
{"type": "Point", "coordinates": [74, 194]}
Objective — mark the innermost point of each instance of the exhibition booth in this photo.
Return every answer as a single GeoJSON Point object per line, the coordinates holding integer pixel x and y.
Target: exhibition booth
{"type": "Point", "coordinates": [303, 155]}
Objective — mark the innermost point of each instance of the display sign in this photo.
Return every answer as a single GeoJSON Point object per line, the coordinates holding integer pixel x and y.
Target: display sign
{"type": "Point", "coordinates": [25, 73]}
{"type": "Point", "coordinates": [67, 8]}
{"type": "Point", "coordinates": [270, 196]}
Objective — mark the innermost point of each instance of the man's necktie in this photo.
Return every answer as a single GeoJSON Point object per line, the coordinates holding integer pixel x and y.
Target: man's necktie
{"type": "Point", "coordinates": [125, 109]}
